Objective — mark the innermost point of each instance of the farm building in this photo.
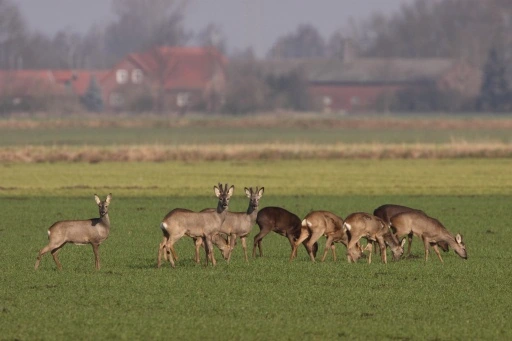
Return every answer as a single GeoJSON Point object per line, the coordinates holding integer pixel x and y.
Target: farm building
{"type": "Point", "coordinates": [362, 84]}
{"type": "Point", "coordinates": [164, 78]}
{"type": "Point", "coordinates": [170, 78]}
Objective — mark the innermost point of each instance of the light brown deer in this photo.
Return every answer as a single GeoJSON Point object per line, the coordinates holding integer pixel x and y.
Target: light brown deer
{"type": "Point", "coordinates": [282, 222]}
{"type": "Point", "coordinates": [221, 243]}
{"type": "Point", "coordinates": [80, 232]}
{"type": "Point", "coordinates": [323, 223]}
{"type": "Point", "coordinates": [239, 224]}
{"type": "Point", "coordinates": [385, 212]}
{"type": "Point", "coordinates": [204, 225]}
{"type": "Point", "coordinates": [361, 224]}
{"type": "Point", "coordinates": [430, 230]}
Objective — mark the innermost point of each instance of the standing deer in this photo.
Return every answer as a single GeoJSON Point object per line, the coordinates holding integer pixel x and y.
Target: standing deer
{"type": "Point", "coordinates": [239, 224]}
{"type": "Point", "coordinates": [280, 221]}
{"type": "Point", "coordinates": [79, 232]}
{"type": "Point", "coordinates": [205, 224]}
{"type": "Point", "coordinates": [221, 243]}
{"type": "Point", "coordinates": [374, 229]}
{"type": "Point", "coordinates": [385, 212]}
{"type": "Point", "coordinates": [318, 223]}
{"type": "Point", "coordinates": [430, 230]}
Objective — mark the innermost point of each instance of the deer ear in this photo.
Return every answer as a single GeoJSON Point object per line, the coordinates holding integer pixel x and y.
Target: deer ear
{"type": "Point", "coordinates": [231, 190]}
{"type": "Point", "coordinates": [247, 192]}
{"type": "Point", "coordinates": [458, 238]}
{"type": "Point", "coordinates": [109, 197]}
{"type": "Point", "coordinates": [97, 199]}
{"type": "Point", "coordinates": [402, 242]}
{"type": "Point", "coordinates": [260, 192]}
{"type": "Point", "coordinates": [216, 190]}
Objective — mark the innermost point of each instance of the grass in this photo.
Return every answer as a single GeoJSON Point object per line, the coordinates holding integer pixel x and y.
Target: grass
{"type": "Point", "coordinates": [269, 298]}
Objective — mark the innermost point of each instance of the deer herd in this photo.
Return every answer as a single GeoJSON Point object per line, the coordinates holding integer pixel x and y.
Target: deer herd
{"type": "Point", "coordinates": [220, 227]}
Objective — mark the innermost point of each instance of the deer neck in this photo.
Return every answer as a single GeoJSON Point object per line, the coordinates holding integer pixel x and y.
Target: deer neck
{"type": "Point", "coordinates": [252, 212]}
{"type": "Point", "coordinates": [221, 211]}
{"type": "Point", "coordinates": [105, 221]}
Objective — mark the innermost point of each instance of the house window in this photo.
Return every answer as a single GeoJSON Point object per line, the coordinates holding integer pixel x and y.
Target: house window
{"type": "Point", "coordinates": [116, 99]}
{"type": "Point", "coordinates": [121, 76]}
{"type": "Point", "coordinates": [137, 76]}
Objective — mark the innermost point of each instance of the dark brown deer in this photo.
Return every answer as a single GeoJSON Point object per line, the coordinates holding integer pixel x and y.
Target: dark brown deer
{"type": "Point", "coordinates": [430, 230]}
{"type": "Point", "coordinates": [282, 222]}
{"type": "Point", "coordinates": [203, 225]}
{"type": "Point", "coordinates": [374, 229]}
{"type": "Point", "coordinates": [323, 223]}
{"type": "Point", "coordinates": [79, 232]}
{"type": "Point", "coordinates": [385, 212]}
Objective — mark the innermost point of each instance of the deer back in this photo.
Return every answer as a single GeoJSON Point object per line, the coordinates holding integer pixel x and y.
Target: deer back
{"type": "Point", "coordinates": [385, 212]}
{"type": "Point", "coordinates": [279, 220]}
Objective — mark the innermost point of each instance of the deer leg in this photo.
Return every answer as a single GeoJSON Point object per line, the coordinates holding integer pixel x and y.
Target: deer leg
{"type": "Point", "coordinates": [309, 245]}
{"type": "Point", "coordinates": [244, 246]}
{"type": "Point", "coordinates": [303, 236]}
{"type": "Point", "coordinates": [55, 258]}
{"type": "Point", "coordinates": [161, 251]}
{"type": "Point", "coordinates": [427, 246]}
{"type": "Point", "coordinates": [382, 246]}
{"type": "Point", "coordinates": [436, 250]}
{"type": "Point", "coordinates": [197, 245]}
{"type": "Point", "coordinates": [96, 255]}
{"type": "Point", "coordinates": [370, 248]}
{"type": "Point", "coordinates": [232, 241]}
{"type": "Point", "coordinates": [257, 242]}
{"type": "Point", "coordinates": [328, 245]}
{"type": "Point", "coordinates": [209, 247]}
{"type": "Point", "coordinates": [41, 253]}
{"type": "Point", "coordinates": [409, 243]}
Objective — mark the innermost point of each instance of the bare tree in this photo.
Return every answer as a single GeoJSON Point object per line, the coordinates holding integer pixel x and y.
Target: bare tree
{"type": "Point", "coordinates": [12, 36]}
{"type": "Point", "coordinates": [141, 25]}
{"type": "Point", "coordinates": [306, 42]}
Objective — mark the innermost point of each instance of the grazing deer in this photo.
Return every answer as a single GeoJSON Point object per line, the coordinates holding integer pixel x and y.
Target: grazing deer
{"type": "Point", "coordinates": [280, 221]}
{"type": "Point", "coordinates": [221, 243]}
{"type": "Point", "coordinates": [79, 232]}
{"type": "Point", "coordinates": [318, 223]}
{"type": "Point", "coordinates": [374, 229]}
{"type": "Point", "coordinates": [430, 230]}
{"type": "Point", "coordinates": [385, 212]}
{"type": "Point", "coordinates": [205, 224]}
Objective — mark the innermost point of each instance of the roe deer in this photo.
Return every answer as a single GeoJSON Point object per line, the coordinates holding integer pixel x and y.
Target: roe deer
{"type": "Point", "coordinates": [430, 230]}
{"type": "Point", "coordinates": [318, 223]}
{"type": "Point", "coordinates": [239, 224]}
{"type": "Point", "coordinates": [221, 243]}
{"type": "Point", "coordinates": [79, 232]}
{"type": "Point", "coordinates": [203, 225]}
{"type": "Point", "coordinates": [374, 229]}
{"type": "Point", "coordinates": [385, 212]}
{"type": "Point", "coordinates": [282, 222]}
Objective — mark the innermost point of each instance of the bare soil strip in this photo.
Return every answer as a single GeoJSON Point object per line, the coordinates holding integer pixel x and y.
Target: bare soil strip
{"type": "Point", "coordinates": [265, 121]}
{"type": "Point", "coordinates": [162, 153]}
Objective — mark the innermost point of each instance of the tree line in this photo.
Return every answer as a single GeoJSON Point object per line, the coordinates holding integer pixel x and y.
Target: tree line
{"type": "Point", "coordinates": [476, 31]}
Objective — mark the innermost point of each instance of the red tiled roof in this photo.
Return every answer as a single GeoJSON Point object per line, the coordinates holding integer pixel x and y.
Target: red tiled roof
{"type": "Point", "coordinates": [181, 67]}
{"type": "Point", "coordinates": [30, 82]}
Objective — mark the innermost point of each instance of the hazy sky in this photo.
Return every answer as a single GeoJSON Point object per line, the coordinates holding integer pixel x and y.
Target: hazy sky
{"type": "Point", "coordinates": [256, 23]}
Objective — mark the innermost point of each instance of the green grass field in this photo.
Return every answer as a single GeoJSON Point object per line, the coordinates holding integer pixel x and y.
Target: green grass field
{"type": "Point", "coordinates": [268, 298]}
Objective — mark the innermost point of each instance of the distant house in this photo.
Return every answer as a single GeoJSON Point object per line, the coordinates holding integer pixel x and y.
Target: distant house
{"type": "Point", "coordinates": [167, 78]}
{"type": "Point", "coordinates": [164, 78]}
{"type": "Point", "coordinates": [360, 83]}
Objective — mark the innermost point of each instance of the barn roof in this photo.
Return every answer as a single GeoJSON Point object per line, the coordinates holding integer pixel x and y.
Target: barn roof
{"type": "Point", "coordinates": [181, 67]}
